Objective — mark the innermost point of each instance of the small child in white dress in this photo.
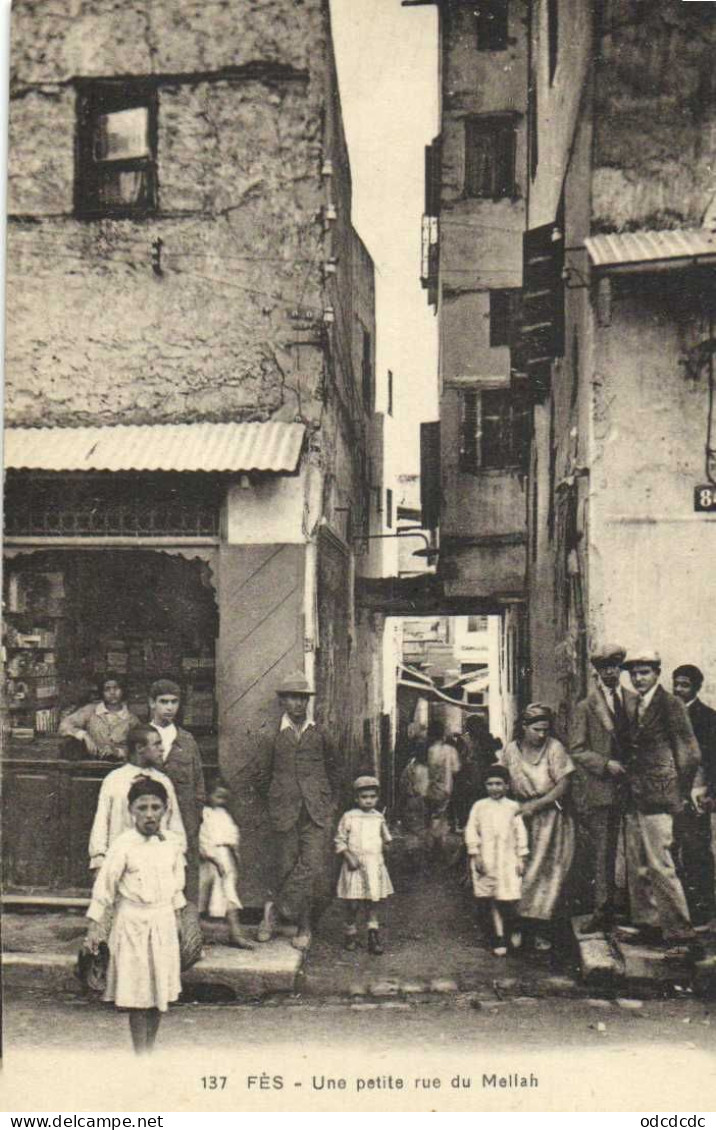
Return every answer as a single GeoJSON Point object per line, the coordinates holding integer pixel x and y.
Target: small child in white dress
{"type": "Point", "coordinates": [142, 878]}
{"type": "Point", "coordinates": [497, 847]}
{"type": "Point", "coordinates": [219, 872]}
{"type": "Point", "coordinates": [364, 878]}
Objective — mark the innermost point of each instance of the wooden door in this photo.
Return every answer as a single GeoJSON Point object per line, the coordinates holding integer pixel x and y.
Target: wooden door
{"type": "Point", "coordinates": [261, 630]}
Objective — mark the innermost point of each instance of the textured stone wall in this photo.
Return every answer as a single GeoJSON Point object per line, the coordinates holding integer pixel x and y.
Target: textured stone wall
{"type": "Point", "coordinates": [94, 335]}
{"type": "Point", "coordinates": [651, 555]}
{"type": "Point", "coordinates": [655, 115]}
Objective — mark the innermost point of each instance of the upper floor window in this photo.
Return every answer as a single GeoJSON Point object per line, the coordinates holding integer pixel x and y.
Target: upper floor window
{"type": "Point", "coordinates": [492, 25]}
{"type": "Point", "coordinates": [494, 430]}
{"type": "Point", "coordinates": [475, 624]}
{"type": "Point", "coordinates": [490, 157]}
{"type": "Point", "coordinates": [390, 392]}
{"type": "Point", "coordinates": [116, 173]}
{"type": "Point", "coordinates": [389, 508]}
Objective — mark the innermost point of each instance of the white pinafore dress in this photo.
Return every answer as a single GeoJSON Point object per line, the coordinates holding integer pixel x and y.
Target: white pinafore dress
{"type": "Point", "coordinates": [364, 833]}
{"type": "Point", "coordinates": [143, 878]}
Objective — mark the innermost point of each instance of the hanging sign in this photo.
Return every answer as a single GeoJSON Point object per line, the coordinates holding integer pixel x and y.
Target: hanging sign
{"type": "Point", "coordinates": [705, 499]}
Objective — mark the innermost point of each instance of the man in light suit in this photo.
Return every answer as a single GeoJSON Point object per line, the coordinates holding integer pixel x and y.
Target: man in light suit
{"type": "Point", "coordinates": [600, 746]}
{"type": "Point", "coordinates": [661, 770]}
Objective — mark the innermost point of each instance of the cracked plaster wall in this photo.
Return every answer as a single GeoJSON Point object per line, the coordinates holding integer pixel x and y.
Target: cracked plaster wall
{"type": "Point", "coordinates": [651, 556]}
{"type": "Point", "coordinates": [655, 115]}
{"type": "Point", "coordinates": [93, 335]}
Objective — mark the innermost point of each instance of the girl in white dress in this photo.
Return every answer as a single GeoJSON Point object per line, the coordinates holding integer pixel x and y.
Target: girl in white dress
{"type": "Point", "coordinates": [497, 847]}
{"type": "Point", "coordinates": [364, 878]}
{"type": "Point", "coordinates": [142, 878]}
{"type": "Point", "coordinates": [219, 871]}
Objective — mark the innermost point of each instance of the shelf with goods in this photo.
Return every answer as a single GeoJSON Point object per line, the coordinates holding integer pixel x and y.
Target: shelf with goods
{"type": "Point", "coordinates": [72, 618]}
{"type": "Point", "coordinates": [34, 607]}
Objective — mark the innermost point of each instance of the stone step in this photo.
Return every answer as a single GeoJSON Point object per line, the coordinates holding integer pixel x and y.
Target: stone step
{"type": "Point", "coordinates": [273, 967]}
{"type": "Point", "coordinates": [611, 962]}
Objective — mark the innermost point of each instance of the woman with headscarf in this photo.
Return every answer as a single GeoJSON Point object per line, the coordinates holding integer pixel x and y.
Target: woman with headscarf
{"type": "Point", "coordinates": [540, 770]}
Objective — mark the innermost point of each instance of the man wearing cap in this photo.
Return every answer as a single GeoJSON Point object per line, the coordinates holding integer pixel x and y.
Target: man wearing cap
{"type": "Point", "coordinates": [600, 745]}
{"type": "Point", "coordinates": [182, 764]}
{"type": "Point", "coordinates": [301, 783]}
{"type": "Point", "coordinates": [661, 770]}
{"type": "Point", "coordinates": [692, 827]}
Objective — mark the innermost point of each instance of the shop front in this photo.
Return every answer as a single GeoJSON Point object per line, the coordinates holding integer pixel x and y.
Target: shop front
{"type": "Point", "coordinates": [132, 571]}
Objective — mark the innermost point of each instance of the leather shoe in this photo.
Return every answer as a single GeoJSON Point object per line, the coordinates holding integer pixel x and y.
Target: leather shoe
{"type": "Point", "coordinates": [374, 945]}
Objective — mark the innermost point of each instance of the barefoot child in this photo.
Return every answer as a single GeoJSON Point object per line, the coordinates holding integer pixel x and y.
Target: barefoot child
{"type": "Point", "coordinates": [142, 877]}
{"type": "Point", "coordinates": [364, 877]}
{"type": "Point", "coordinates": [218, 871]}
{"type": "Point", "coordinates": [497, 846]}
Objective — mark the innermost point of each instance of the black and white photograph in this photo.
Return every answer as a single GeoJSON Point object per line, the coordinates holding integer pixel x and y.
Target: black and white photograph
{"type": "Point", "coordinates": [359, 556]}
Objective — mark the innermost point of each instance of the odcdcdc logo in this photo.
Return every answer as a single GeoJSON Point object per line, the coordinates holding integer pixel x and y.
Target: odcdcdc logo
{"type": "Point", "coordinates": [659, 1120]}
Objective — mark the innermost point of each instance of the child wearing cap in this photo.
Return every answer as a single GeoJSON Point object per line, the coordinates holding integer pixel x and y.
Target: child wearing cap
{"type": "Point", "coordinates": [142, 879]}
{"type": "Point", "coordinates": [497, 847]}
{"type": "Point", "coordinates": [364, 878]}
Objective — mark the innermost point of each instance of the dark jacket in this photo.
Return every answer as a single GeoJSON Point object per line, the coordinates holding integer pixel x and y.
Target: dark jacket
{"type": "Point", "coordinates": [703, 721]}
{"type": "Point", "coordinates": [593, 741]}
{"type": "Point", "coordinates": [665, 754]}
{"type": "Point", "coordinates": [301, 771]}
{"type": "Point", "coordinates": [183, 767]}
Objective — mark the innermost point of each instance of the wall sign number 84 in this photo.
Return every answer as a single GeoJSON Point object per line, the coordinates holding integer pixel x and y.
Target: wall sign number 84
{"type": "Point", "coordinates": [705, 499]}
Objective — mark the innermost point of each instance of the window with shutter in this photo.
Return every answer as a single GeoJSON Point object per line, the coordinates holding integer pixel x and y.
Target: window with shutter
{"type": "Point", "coordinates": [490, 157]}
{"type": "Point", "coordinates": [116, 171]}
{"type": "Point", "coordinates": [494, 433]}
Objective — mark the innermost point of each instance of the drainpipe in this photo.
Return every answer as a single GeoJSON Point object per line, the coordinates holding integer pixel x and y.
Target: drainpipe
{"type": "Point", "coordinates": [310, 618]}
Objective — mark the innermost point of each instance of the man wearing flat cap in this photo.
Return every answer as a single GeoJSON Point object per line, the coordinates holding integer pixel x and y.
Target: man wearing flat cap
{"type": "Point", "coordinates": [182, 765]}
{"type": "Point", "coordinates": [301, 783]}
{"type": "Point", "coordinates": [661, 771]}
{"type": "Point", "coordinates": [692, 828]}
{"type": "Point", "coordinates": [600, 746]}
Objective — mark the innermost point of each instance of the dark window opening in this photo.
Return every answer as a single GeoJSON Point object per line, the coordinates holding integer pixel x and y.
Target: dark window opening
{"type": "Point", "coordinates": [390, 392]}
{"type": "Point", "coordinates": [504, 314]}
{"type": "Point", "coordinates": [553, 35]}
{"type": "Point", "coordinates": [490, 157]}
{"type": "Point", "coordinates": [367, 372]}
{"type": "Point", "coordinates": [116, 169]}
{"type": "Point", "coordinates": [494, 430]}
{"type": "Point", "coordinates": [475, 624]}
{"type": "Point", "coordinates": [389, 509]}
{"type": "Point", "coordinates": [533, 126]}
{"type": "Point", "coordinates": [492, 25]}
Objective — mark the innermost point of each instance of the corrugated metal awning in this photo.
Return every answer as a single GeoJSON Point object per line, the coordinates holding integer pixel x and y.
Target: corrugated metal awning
{"type": "Point", "coordinates": [644, 250]}
{"type": "Point", "coordinates": [157, 447]}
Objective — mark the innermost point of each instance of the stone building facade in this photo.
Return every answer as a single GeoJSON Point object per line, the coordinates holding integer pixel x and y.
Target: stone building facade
{"type": "Point", "coordinates": [191, 322]}
{"type": "Point", "coordinates": [605, 237]}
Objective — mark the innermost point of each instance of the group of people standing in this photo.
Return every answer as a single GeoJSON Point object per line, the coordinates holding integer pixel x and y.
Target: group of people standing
{"type": "Point", "coordinates": [639, 767]}
{"type": "Point", "coordinates": [638, 770]}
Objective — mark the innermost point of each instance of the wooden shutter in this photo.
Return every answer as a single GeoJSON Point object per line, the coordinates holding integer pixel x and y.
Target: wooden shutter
{"type": "Point", "coordinates": [430, 474]}
{"type": "Point", "coordinates": [541, 336]}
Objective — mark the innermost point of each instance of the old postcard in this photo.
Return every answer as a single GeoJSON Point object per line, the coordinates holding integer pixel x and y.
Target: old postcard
{"type": "Point", "coordinates": [359, 662]}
